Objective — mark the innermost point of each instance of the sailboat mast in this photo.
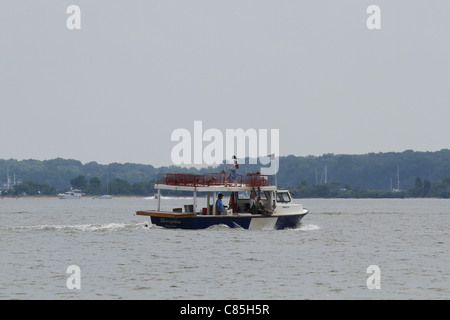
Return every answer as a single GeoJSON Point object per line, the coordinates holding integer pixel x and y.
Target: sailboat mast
{"type": "Point", "coordinates": [398, 178]}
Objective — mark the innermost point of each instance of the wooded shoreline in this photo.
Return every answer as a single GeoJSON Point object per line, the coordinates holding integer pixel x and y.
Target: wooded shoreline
{"type": "Point", "coordinates": [372, 175]}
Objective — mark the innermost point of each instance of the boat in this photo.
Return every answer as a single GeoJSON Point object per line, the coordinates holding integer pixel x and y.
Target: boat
{"type": "Point", "coordinates": [71, 194]}
{"type": "Point", "coordinates": [275, 208]}
{"type": "Point", "coordinates": [105, 197]}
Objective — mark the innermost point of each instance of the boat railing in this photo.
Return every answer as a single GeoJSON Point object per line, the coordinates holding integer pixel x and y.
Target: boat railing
{"type": "Point", "coordinates": [258, 180]}
{"type": "Point", "coordinates": [213, 179]}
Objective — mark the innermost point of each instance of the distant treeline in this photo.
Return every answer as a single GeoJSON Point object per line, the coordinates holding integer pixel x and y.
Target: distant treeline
{"type": "Point", "coordinates": [425, 188]}
{"type": "Point", "coordinates": [117, 186]}
{"type": "Point", "coordinates": [329, 175]}
{"type": "Point", "coordinates": [372, 171]}
{"type": "Point", "coordinates": [93, 187]}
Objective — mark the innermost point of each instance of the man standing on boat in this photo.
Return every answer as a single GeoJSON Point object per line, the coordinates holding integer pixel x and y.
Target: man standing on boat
{"type": "Point", "coordinates": [219, 204]}
{"type": "Point", "coordinates": [232, 167]}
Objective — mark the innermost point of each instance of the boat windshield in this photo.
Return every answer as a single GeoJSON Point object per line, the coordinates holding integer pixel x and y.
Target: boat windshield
{"type": "Point", "coordinates": [283, 197]}
{"type": "Point", "coordinates": [245, 195]}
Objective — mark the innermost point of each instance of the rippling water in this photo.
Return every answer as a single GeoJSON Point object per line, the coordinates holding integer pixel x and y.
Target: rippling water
{"type": "Point", "coordinates": [122, 256]}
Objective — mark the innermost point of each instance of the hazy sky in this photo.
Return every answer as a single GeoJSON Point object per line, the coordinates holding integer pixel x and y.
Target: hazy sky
{"type": "Point", "coordinates": [115, 90]}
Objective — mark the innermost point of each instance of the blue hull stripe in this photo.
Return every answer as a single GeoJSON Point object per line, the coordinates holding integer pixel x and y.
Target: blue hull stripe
{"type": "Point", "coordinates": [202, 222]}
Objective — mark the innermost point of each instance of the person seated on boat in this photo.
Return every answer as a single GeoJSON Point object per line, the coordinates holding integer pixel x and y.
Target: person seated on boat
{"type": "Point", "coordinates": [256, 204]}
{"type": "Point", "coordinates": [257, 173]}
{"type": "Point", "coordinates": [232, 204]}
{"type": "Point", "coordinates": [219, 205]}
{"type": "Point", "coordinates": [259, 204]}
{"type": "Point", "coordinates": [231, 174]}
{"type": "Point", "coordinates": [253, 205]}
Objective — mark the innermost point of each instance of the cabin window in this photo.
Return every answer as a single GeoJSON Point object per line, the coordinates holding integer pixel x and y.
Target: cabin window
{"type": "Point", "coordinates": [283, 197]}
{"type": "Point", "coordinates": [263, 195]}
{"type": "Point", "coordinates": [244, 195]}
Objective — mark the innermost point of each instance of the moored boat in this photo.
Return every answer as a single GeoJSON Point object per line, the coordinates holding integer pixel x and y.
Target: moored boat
{"type": "Point", "coordinates": [255, 203]}
{"type": "Point", "coordinates": [71, 194]}
{"type": "Point", "coordinates": [105, 197]}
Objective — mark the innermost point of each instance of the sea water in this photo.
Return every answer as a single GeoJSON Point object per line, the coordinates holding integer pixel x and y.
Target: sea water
{"type": "Point", "coordinates": [123, 256]}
